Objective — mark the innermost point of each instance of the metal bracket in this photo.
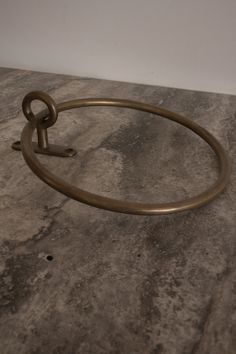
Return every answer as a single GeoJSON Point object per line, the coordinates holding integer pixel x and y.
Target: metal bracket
{"type": "Point", "coordinates": [52, 149]}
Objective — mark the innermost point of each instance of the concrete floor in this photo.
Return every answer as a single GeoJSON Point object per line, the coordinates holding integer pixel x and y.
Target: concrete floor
{"type": "Point", "coordinates": [76, 279]}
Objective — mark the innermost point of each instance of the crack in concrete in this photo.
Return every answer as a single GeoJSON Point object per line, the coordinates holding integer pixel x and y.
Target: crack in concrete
{"type": "Point", "coordinates": [44, 231]}
{"type": "Point", "coordinates": [210, 310]}
{"type": "Point", "coordinates": [203, 326]}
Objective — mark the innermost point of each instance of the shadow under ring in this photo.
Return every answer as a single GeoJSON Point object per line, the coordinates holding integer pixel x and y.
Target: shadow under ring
{"type": "Point", "coordinates": [119, 205]}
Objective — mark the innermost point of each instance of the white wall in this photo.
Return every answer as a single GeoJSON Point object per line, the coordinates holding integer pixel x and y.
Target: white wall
{"type": "Point", "coordinates": [179, 43]}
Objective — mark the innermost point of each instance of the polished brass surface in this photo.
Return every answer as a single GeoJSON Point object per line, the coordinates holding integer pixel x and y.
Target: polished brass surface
{"type": "Point", "coordinates": [46, 119]}
{"type": "Point", "coordinates": [42, 138]}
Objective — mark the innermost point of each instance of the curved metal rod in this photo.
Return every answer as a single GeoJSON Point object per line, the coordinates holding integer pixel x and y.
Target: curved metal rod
{"type": "Point", "coordinates": [118, 205]}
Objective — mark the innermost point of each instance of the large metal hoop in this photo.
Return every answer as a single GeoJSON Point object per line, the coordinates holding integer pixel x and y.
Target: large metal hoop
{"type": "Point", "coordinates": [125, 206]}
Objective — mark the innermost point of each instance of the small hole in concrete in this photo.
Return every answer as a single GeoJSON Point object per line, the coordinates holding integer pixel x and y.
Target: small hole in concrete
{"type": "Point", "coordinates": [17, 143]}
{"type": "Point", "coordinates": [139, 255]}
{"type": "Point", "coordinates": [69, 150]}
{"type": "Point", "coordinates": [49, 258]}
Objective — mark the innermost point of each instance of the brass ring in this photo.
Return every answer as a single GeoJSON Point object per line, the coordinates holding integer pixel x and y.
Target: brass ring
{"type": "Point", "coordinates": [123, 206]}
{"type": "Point", "coordinates": [44, 121]}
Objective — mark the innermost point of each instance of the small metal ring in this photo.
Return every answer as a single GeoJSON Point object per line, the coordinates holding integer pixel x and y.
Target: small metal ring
{"type": "Point", "coordinates": [118, 205]}
{"type": "Point", "coordinates": [44, 120]}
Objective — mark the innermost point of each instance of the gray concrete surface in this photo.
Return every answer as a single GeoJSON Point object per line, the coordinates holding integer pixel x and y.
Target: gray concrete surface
{"type": "Point", "coordinates": [116, 283]}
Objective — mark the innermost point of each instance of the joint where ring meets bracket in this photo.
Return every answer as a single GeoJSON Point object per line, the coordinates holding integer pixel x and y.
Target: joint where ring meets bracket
{"type": "Point", "coordinates": [43, 121]}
